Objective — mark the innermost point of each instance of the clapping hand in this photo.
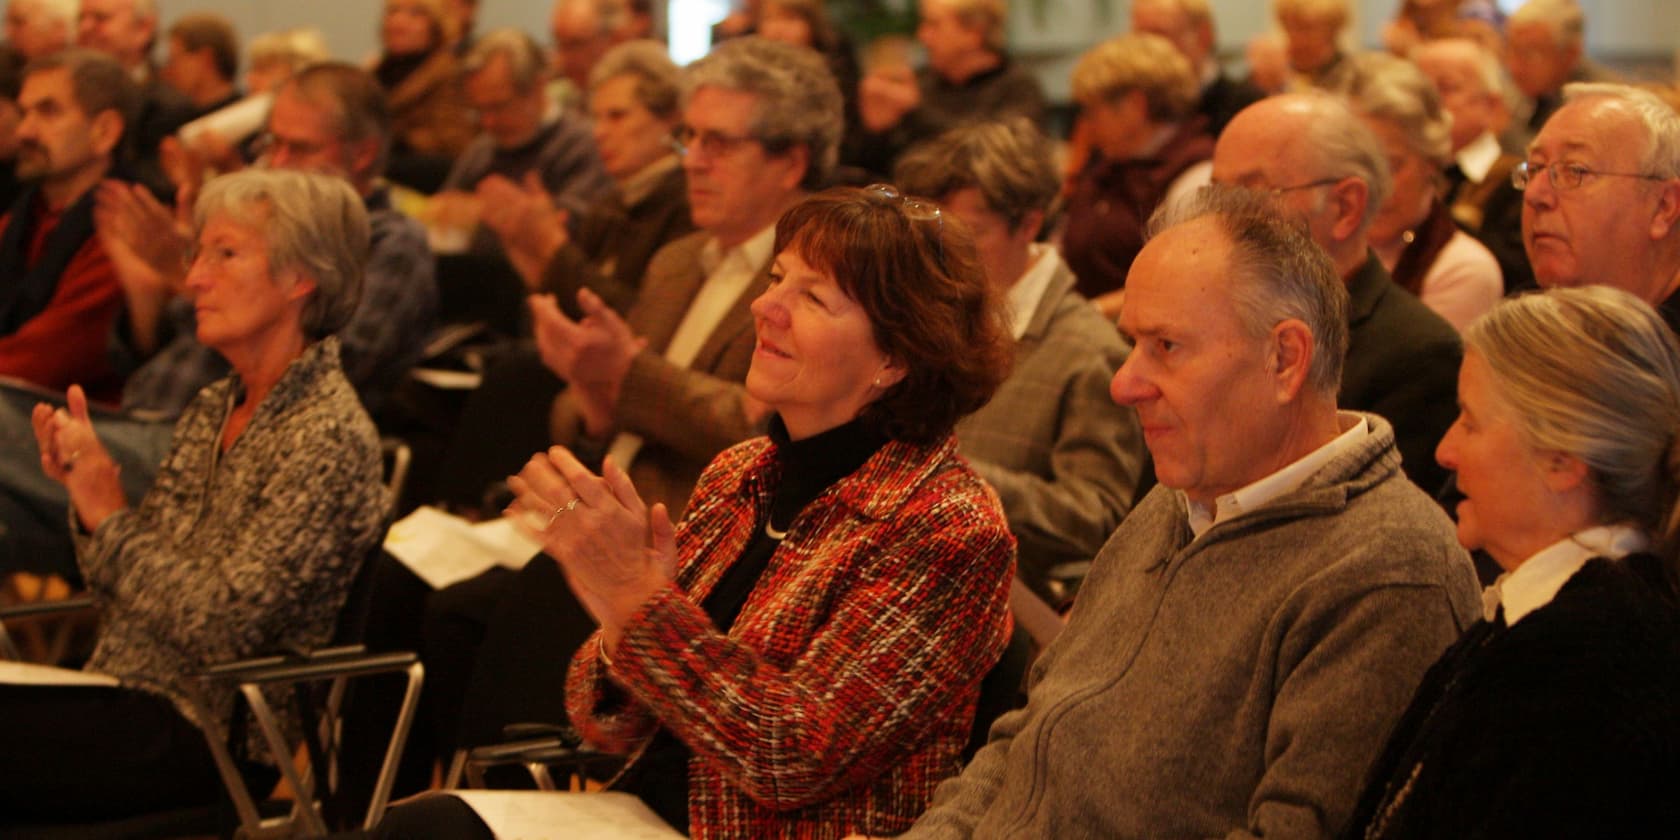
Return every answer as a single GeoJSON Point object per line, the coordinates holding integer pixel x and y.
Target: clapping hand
{"type": "Point", "coordinates": [72, 455]}
{"type": "Point", "coordinates": [526, 221]}
{"type": "Point", "coordinates": [614, 550]}
{"type": "Point", "coordinates": [592, 354]}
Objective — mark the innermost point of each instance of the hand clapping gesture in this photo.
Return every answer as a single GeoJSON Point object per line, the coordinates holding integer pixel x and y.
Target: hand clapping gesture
{"type": "Point", "coordinates": [592, 355]}
{"type": "Point", "coordinates": [525, 219]}
{"type": "Point", "coordinates": [614, 550]}
{"type": "Point", "coordinates": [72, 455]}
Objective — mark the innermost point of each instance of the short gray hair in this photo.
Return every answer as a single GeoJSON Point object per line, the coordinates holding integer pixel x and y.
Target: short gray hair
{"type": "Point", "coordinates": [1564, 18]}
{"type": "Point", "coordinates": [658, 79]}
{"type": "Point", "coordinates": [1011, 164]}
{"type": "Point", "coordinates": [1141, 62]}
{"type": "Point", "coordinates": [293, 47]}
{"type": "Point", "coordinates": [1277, 272]}
{"type": "Point", "coordinates": [1489, 72]}
{"type": "Point", "coordinates": [1342, 146]}
{"type": "Point", "coordinates": [98, 84]}
{"type": "Point", "coordinates": [1395, 91]}
{"type": "Point", "coordinates": [1662, 125]}
{"type": "Point", "coordinates": [1593, 372]}
{"type": "Point", "coordinates": [356, 102]}
{"type": "Point", "coordinates": [798, 100]}
{"type": "Point", "coordinates": [314, 224]}
{"type": "Point", "coordinates": [63, 11]}
{"type": "Point", "coordinates": [526, 60]}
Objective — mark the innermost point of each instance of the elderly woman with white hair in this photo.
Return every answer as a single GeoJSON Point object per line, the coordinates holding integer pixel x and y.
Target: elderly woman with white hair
{"type": "Point", "coordinates": [1413, 233]}
{"type": "Point", "coordinates": [261, 513]}
{"type": "Point", "coordinates": [1555, 716]}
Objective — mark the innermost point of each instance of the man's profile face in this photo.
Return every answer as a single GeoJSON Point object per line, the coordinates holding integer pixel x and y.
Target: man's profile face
{"type": "Point", "coordinates": [303, 136]}
{"type": "Point", "coordinates": [1538, 61]}
{"type": "Point", "coordinates": [1595, 232]}
{"type": "Point", "coordinates": [55, 138]}
{"type": "Point", "coordinates": [111, 27]}
{"type": "Point", "coordinates": [510, 116]}
{"type": "Point", "coordinates": [735, 186]}
{"type": "Point", "coordinates": [1195, 375]}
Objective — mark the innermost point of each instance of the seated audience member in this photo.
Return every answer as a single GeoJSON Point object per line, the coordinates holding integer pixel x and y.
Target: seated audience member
{"type": "Point", "coordinates": [11, 116]}
{"type": "Point", "coordinates": [1545, 49]}
{"type": "Point", "coordinates": [220, 141]}
{"type": "Point", "coordinates": [522, 140]}
{"type": "Point", "coordinates": [125, 30]}
{"type": "Point", "coordinates": [1601, 195]}
{"type": "Point", "coordinates": [1188, 24]}
{"type": "Point", "coordinates": [1335, 580]}
{"type": "Point", "coordinates": [431, 122]}
{"type": "Point", "coordinates": [968, 77]}
{"type": "Point", "coordinates": [273, 57]}
{"type": "Point", "coordinates": [1413, 233]}
{"type": "Point", "coordinates": [60, 293]}
{"type": "Point", "coordinates": [1268, 62]}
{"type": "Point", "coordinates": [1064, 459]}
{"type": "Point", "coordinates": [203, 61]}
{"type": "Point", "coordinates": [38, 27]}
{"type": "Point", "coordinates": [1329, 171]}
{"type": "Point", "coordinates": [330, 118]}
{"type": "Point", "coordinates": [852, 554]}
{"type": "Point", "coordinates": [583, 31]}
{"type": "Point", "coordinates": [268, 501]}
{"type": "Point", "coordinates": [1554, 715]}
{"type": "Point", "coordinates": [659, 388]}
{"type": "Point", "coordinates": [1479, 191]}
{"type": "Point", "coordinates": [1137, 97]}
{"type": "Point", "coordinates": [805, 23]}
{"type": "Point", "coordinates": [1312, 34]}
{"type": "Point", "coordinates": [633, 104]}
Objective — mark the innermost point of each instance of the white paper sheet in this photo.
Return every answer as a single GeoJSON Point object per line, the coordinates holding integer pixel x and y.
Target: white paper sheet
{"type": "Point", "coordinates": [535, 815]}
{"type": "Point", "coordinates": [29, 673]}
{"type": "Point", "coordinates": [443, 549]}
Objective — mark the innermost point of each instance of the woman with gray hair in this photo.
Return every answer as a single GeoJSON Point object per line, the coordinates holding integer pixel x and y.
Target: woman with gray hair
{"type": "Point", "coordinates": [268, 501]}
{"type": "Point", "coordinates": [1413, 233]}
{"type": "Point", "coordinates": [1555, 716]}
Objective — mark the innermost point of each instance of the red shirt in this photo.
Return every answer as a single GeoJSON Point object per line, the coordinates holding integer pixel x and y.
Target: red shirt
{"type": "Point", "coordinates": [65, 343]}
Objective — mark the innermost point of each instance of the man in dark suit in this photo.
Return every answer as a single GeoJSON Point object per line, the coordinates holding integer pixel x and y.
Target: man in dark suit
{"type": "Point", "coordinates": [1327, 167]}
{"type": "Point", "coordinates": [1188, 24]}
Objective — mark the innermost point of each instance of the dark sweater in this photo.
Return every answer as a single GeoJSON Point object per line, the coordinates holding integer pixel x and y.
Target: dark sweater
{"type": "Point", "coordinates": [1563, 725]}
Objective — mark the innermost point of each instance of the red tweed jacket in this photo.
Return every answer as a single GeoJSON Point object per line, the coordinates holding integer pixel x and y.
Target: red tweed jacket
{"type": "Point", "coordinates": [846, 689]}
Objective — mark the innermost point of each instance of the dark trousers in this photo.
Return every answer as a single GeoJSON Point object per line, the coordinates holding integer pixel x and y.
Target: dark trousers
{"type": "Point", "coordinates": [90, 753]}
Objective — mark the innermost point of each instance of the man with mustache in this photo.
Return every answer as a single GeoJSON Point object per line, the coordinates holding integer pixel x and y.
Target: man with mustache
{"type": "Point", "coordinates": [59, 293]}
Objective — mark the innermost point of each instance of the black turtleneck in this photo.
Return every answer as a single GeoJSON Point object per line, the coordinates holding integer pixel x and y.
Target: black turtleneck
{"type": "Point", "coordinates": [803, 470]}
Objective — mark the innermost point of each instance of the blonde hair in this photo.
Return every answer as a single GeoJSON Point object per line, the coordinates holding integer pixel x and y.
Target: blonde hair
{"type": "Point", "coordinates": [1563, 18]}
{"type": "Point", "coordinates": [1141, 62]}
{"type": "Point", "coordinates": [1594, 372]}
{"type": "Point", "coordinates": [1333, 12]}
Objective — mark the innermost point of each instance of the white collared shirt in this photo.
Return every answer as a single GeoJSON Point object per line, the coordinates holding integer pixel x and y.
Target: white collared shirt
{"type": "Point", "coordinates": [1268, 489]}
{"type": "Point", "coordinates": [1028, 292]}
{"type": "Point", "coordinates": [1536, 582]}
{"type": "Point", "coordinates": [728, 274]}
{"type": "Point", "coordinates": [1479, 156]}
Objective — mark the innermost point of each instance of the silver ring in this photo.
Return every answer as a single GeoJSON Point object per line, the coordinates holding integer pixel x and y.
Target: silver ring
{"type": "Point", "coordinates": [559, 510]}
{"type": "Point", "coordinates": [70, 460]}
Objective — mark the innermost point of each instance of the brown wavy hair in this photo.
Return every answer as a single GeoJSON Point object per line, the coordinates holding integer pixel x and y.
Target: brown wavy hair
{"type": "Point", "coordinates": [918, 278]}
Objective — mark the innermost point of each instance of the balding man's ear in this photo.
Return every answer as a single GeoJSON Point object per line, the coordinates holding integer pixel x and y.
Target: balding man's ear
{"type": "Point", "coordinates": [106, 132]}
{"type": "Point", "coordinates": [1667, 214]}
{"type": "Point", "coordinates": [1350, 196]}
{"type": "Point", "coordinates": [1289, 362]}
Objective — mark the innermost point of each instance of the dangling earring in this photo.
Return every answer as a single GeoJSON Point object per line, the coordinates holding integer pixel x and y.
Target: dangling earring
{"type": "Point", "coordinates": [877, 381]}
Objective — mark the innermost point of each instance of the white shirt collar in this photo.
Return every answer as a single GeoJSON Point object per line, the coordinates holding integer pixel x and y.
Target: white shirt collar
{"type": "Point", "coordinates": [753, 252]}
{"type": "Point", "coordinates": [1266, 490]}
{"type": "Point", "coordinates": [1479, 156]}
{"type": "Point", "coordinates": [1028, 292]}
{"type": "Point", "coordinates": [1536, 582]}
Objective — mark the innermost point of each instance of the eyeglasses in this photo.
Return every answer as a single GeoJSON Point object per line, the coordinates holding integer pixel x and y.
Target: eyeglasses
{"type": "Point", "coordinates": [1565, 176]}
{"type": "Point", "coordinates": [914, 209]}
{"type": "Point", "coordinates": [269, 145]}
{"type": "Point", "coordinates": [1322, 182]}
{"type": "Point", "coordinates": [684, 140]}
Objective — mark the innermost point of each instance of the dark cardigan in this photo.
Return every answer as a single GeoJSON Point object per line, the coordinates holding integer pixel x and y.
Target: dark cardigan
{"type": "Point", "coordinates": [1565, 725]}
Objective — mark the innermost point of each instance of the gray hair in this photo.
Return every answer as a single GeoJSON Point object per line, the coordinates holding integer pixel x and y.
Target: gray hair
{"type": "Point", "coordinates": [293, 47]}
{"type": "Point", "coordinates": [1489, 72]}
{"type": "Point", "coordinates": [1342, 146]}
{"type": "Point", "coordinates": [1594, 372]}
{"type": "Point", "coordinates": [63, 11]}
{"type": "Point", "coordinates": [1011, 163]}
{"type": "Point", "coordinates": [1395, 91]}
{"type": "Point", "coordinates": [1662, 125]}
{"type": "Point", "coordinates": [97, 82]}
{"type": "Point", "coordinates": [527, 61]}
{"type": "Point", "coordinates": [314, 224]}
{"type": "Point", "coordinates": [798, 99]}
{"type": "Point", "coordinates": [1563, 18]}
{"type": "Point", "coordinates": [658, 79]}
{"type": "Point", "coordinates": [1278, 273]}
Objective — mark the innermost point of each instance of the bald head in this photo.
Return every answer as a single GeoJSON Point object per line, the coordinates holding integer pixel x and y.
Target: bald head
{"type": "Point", "coordinates": [1467, 76]}
{"type": "Point", "coordinates": [1320, 159]}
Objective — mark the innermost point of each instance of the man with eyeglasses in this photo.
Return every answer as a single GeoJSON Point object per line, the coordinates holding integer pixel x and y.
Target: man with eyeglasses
{"type": "Point", "coordinates": [1329, 170]}
{"type": "Point", "coordinates": [1601, 195]}
{"type": "Point", "coordinates": [329, 118]}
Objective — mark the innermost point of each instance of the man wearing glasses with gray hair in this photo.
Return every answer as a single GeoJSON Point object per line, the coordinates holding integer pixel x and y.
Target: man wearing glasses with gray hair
{"type": "Point", "coordinates": [1601, 195]}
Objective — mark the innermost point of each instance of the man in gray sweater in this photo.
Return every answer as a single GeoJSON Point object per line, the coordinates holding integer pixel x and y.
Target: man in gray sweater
{"type": "Point", "coordinates": [1254, 627]}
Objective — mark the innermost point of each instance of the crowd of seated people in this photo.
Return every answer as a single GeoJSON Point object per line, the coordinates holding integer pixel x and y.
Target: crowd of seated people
{"type": "Point", "coordinates": [827, 388]}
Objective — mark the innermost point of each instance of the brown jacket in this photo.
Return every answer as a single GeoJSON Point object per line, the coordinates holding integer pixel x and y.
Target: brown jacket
{"type": "Point", "coordinates": [429, 111]}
